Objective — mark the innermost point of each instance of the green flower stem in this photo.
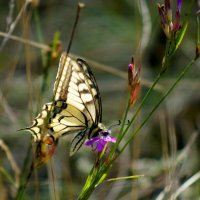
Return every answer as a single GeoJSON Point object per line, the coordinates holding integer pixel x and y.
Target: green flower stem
{"type": "Point", "coordinates": [120, 136]}
{"type": "Point", "coordinates": [198, 30]}
{"type": "Point", "coordinates": [137, 111]}
{"type": "Point", "coordinates": [27, 170]}
{"type": "Point", "coordinates": [99, 174]}
{"type": "Point", "coordinates": [96, 177]}
{"type": "Point", "coordinates": [7, 175]}
{"type": "Point", "coordinates": [157, 105]}
{"type": "Point", "coordinates": [39, 34]}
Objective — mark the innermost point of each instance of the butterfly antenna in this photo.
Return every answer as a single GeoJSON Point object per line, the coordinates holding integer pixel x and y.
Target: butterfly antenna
{"type": "Point", "coordinates": [118, 124]}
{"type": "Point", "coordinates": [113, 125]}
{"type": "Point", "coordinates": [79, 7]}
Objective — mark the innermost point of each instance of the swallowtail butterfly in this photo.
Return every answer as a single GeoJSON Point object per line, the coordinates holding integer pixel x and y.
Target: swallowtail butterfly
{"type": "Point", "coordinates": [76, 108]}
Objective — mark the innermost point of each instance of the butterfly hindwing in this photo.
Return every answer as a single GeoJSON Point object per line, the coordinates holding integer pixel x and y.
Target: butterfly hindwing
{"type": "Point", "coordinates": [78, 141]}
{"type": "Point", "coordinates": [66, 119]}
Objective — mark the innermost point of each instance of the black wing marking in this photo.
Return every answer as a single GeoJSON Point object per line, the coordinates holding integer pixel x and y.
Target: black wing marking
{"type": "Point", "coordinates": [66, 119]}
{"type": "Point", "coordinates": [94, 90]}
{"type": "Point", "coordinates": [78, 141]}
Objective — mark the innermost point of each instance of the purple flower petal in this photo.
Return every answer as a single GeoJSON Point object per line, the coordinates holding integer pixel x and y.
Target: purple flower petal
{"type": "Point", "coordinates": [113, 140]}
{"type": "Point", "coordinates": [101, 141]}
{"type": "Point", "coordinates": [130, 66]}
{"type": "Point", "coordinates": [100, 146]}
{"type": "Point", "coordinates": [109, 139]}
{"type": "Point", "coordinates": [91, 141]}
{"type": "Point", "coordinates": [177, 23]}
{"type": "Point", "coordinates": [179, 4]}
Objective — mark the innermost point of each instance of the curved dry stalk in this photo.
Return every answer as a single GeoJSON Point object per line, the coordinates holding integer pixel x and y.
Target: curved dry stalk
{"type": "Point", "coordinates": [187, 184]}
{"type": "Point", "coordinates": [44, 47]}
{"type": "Point", "coordinates": [98, 65]}
{"type": "Point", "coordinates": [15, 22]}
{"type": "Point", "coordinates": [119, 73]}
{"type": "Point", "coordinates": [12, 161]}
{"type": "Point", "coordinates": [8, 110]}
{"type": "Point", "coordinates": [146, 24]}
{"type": "Point", "coordinates": [179, 161]}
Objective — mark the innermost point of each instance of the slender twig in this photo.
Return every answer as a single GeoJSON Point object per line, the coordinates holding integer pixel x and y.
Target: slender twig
{"type": "Point", "coordinates": [7, 108]}
{"type": "Point", "coordinates": [187, 184]}
{"type": "Point", "coordinates": [120, 73]}
{"type": "Point", "coordinates": [9, 18]}
{"type": "Point", "coordinates": [179, 161]}
{"type": "Point", "coordinates": [12, 161]}
{"type": "Point", "coordinates": [146, 24]}
{"type": "Point", "coordinates": [44, 47]}
{"type": "Point", "coordinates": [13, 25]}
{"type": "Point", "coordinates": [93, 63]}
{"type": "Point", "coordinates": [52, 187]}
{"type": "Point", "coordinates": [79, 7]}
{"type": "Point", "coordinates": [39, 34]}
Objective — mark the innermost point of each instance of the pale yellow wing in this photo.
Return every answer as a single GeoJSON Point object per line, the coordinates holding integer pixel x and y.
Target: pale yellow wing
{"type": "Point", "coordinates": [76, 85]}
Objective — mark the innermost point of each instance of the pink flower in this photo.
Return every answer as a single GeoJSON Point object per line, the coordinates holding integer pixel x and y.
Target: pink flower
{"type": "Point", "coordinates": [101, 141]}
{"type": "Point", "coordinates": [133, 81]}
{"type": "Point", "coordinates": [177, 22]}
{"type": "Point", "coordinates": [165, 13]}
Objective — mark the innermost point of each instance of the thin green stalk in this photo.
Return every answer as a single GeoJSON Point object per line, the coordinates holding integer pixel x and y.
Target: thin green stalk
{"type": "Point", "coordinates": [124, 121]}
{"type": "Point", "coordinates": [198, 30]}
{"type": "Point", "coordinates": [120, 136]}
{"type": "Point", "coordinates": [39, 34]}
{"type": "Point", "coordinates": [7, 175]}
{"type": "Point", "coordinates": [27, 170]}
{"type": "Point", "coordinates": [43, 56]}
{"type": "Point", "coordinates": [95, 178]}
{"type": "Point", "coordinates": [157, 105]}
{"type": "Point", "coordinates": [141, 104]}
{"type": "Point", "coordinates": [121, 133]}
{"type": "Point", "coordinates": [48, 62]}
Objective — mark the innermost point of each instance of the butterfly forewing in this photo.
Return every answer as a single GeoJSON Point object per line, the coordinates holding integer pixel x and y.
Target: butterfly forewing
{"type": "Point", "coordinates": [93, 89]}
{"type": "Point", "coordinates": [76, 85]}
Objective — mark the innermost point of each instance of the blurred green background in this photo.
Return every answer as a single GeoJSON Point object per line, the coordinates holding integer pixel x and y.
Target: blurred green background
{"type": "Point", "coordinates": [108, 33]}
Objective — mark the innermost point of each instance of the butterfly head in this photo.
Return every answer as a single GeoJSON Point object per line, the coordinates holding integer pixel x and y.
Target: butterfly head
{"type": "Point", "coordinates": [103, 130]}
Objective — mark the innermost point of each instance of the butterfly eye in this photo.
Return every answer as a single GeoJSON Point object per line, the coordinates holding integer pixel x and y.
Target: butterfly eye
{"type": "Point", "coordinates": [105, 133]}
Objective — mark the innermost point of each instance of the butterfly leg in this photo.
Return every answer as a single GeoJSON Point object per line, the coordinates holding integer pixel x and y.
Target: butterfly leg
{"type": "Point", "coordinates": [78, 141]}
